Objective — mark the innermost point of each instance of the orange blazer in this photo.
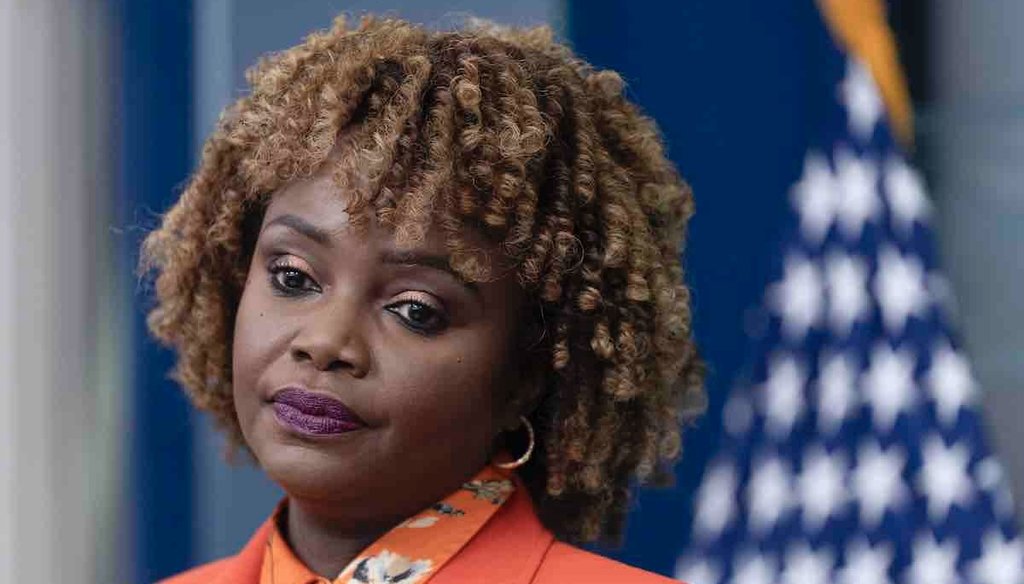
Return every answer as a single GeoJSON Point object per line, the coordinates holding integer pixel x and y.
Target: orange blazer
{"type": "Point", "coordinates": [512, 548]}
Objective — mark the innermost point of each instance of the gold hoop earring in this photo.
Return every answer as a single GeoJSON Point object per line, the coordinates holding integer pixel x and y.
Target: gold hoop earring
{"type": "Point", "coordinates": [529, 450]}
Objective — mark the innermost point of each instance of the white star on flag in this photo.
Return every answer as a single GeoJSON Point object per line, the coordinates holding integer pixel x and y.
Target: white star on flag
{"type": "Point", "coordinates": [859, 201]}
{"type": "Point", "coordinates": [822, 487]}
{"type": "Point", "coordinates": [754, 568]}
{"type": "Point", "coordinates": [933, 563]}
{"type": "Point", "coordinates": [900, 288]}
{"type": "Point", "coordinates": [1001, 561]}
{"type": "Point", "coordinates": [783, 394]}
{"type": "Point", "coordinates": [943, 477]}
{"type": "Point", "coordinates": [906, 194]}
{"type": "Point", "coordinates": [889, 384]}
{"type": "Point", "coordinates": [950, 383]}
{"type": "Point", "coordinates": [695, 571]}
{"type": "Point", "coordinates": [815, 198]}
{"type": "Point", "coordinates": [847, 284]}
{"type": "Point", "coordinates": [836, 395]}
{"type": "Point", "coordinates": [866, 564]}
{"type": "Point", "coordinates": [715, 504]}
{"type": "Point", "coordinates": [798, 298]}
{"type": "Point", "coordinates": [878, 481]}
{"type": "Point", "coordinates": [806, 566]}
{"type": "Point", "coordinates": [863, 103]}
{"type": "Point", "coordinates": [769, 493]}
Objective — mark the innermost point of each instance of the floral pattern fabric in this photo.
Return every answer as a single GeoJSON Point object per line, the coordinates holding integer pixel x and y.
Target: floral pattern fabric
{"type": "Point", "coordinates": [412, 551]}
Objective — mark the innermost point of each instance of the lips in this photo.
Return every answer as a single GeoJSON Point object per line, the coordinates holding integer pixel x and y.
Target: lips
{"type": "Point", "coordinates": [314, 413]}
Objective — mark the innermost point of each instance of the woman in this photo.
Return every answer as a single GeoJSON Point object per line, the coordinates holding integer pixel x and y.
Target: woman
{"type": "Point", "coordinates": [430, 281]}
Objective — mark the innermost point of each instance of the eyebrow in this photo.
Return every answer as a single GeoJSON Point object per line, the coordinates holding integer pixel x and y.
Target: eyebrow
{"type": "Point", "coordinates": [401, 258]}
{"type": "Point", "coordinates": [302, 226]}
{"type": "Point", "coordinates": [437, 262]}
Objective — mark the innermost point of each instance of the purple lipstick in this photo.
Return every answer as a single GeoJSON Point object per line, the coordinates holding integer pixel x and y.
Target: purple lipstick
{"type": "Point", "coordinates": [314, 413]}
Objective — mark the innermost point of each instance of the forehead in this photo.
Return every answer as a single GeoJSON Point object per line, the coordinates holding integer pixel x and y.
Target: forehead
{"type": "Point", "coordinates": [316, 199]}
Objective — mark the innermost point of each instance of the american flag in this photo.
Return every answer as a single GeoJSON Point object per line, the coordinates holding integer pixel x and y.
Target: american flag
{"type": "Point", "coordinates": [854, 452]}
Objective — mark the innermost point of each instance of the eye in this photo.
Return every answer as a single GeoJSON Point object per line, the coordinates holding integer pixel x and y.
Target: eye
{"type": "Point", "coordinates": [289, 280]}
{"type": "Point", "coordinates": [419, 316]}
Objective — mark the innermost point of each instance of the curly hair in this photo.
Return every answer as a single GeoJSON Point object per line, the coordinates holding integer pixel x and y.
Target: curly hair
{"type": "Point", "coordinates": [498, 130]}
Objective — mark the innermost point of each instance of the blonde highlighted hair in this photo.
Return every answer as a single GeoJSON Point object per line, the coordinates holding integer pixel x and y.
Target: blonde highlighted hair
{"type": "Point", "coordinates": [496, 130]}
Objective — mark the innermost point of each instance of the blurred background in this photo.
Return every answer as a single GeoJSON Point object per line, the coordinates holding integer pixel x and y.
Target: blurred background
{"type": "Point", "coordinates": [106, 475]}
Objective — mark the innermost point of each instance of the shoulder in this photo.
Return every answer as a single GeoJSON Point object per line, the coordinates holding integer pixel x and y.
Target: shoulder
{"type": "Point", "coordinates": [515, 548]}
{"type": "Point", "coordinates": [564, 564]}
{"type": "Point", "coordinates": [200, 574]}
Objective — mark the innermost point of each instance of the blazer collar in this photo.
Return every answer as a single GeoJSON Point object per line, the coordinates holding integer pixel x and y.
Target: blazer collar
{"type": "Point", "coordinates": [507, 550]}
{"type": "Point", "coordinates": [244, 567]}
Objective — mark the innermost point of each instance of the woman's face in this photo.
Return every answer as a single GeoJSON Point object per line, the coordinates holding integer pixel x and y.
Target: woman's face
{"type": "Point", "coordinates": [368, 380]}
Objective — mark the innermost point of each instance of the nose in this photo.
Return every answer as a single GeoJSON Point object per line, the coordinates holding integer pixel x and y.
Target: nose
{"type": "Point", "coordinates": [332, 339]}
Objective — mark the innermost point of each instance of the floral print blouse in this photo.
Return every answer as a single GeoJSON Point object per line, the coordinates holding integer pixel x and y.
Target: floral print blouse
{"type": "Point", "coordinates": [413, 550]}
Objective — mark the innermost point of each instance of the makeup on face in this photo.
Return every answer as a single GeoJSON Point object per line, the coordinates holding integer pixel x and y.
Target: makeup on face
{"type": "Point", "coordinates": [358, 362]}
{"type": "Point", "coordinates": [306, 412]}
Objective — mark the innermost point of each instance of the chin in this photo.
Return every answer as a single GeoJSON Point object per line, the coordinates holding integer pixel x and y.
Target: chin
{"type": "Point", "coordinates": [340, 489]}
{"type": "Point", "coordinates": [307, 472]}
{"type": "Point", "coordinates": [314, 467]}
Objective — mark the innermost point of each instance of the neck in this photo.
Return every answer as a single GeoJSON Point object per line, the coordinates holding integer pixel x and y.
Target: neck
{"type": "Point", "coordinates": [324, 546]}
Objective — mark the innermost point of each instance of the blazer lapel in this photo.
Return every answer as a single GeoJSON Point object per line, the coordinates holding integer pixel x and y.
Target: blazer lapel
{"type": "Point", "coordinates": [508, 550]}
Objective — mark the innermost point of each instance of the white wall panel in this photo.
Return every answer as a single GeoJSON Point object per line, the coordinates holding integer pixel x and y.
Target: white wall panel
{"type": "Point", "coordinates": [51, 177]}
{"type": "Point", "coordinates": [975, 136]}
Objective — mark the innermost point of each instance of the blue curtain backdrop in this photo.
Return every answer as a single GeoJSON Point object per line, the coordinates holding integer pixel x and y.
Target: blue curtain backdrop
{"type": "Point", "coordinates": [733, 86]}
{"type": "Point", "coordinates": [153, 121]}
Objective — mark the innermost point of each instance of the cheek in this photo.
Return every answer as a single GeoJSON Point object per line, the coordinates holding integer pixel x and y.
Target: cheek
{"type": "Point", "coordinates": [242, 335]}
{"type": "Point", "coordinates": [446, 394]}
{"type": "Point", "coordinates": [256, 329]}
{"type": "Point", "coordinates": [253, 335]}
